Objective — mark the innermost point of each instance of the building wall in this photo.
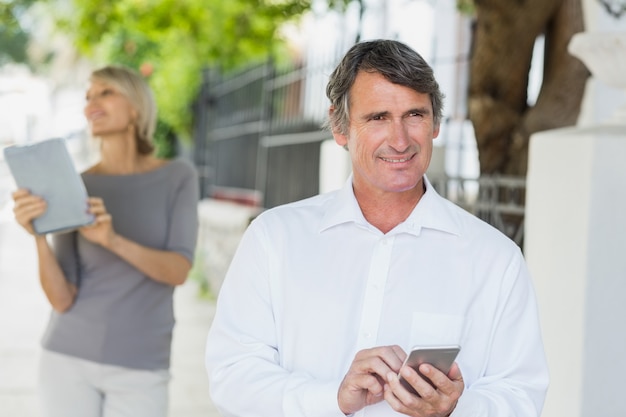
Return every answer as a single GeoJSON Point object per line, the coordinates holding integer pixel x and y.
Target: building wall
{"type": "Point", "coordinates": [574, 237]}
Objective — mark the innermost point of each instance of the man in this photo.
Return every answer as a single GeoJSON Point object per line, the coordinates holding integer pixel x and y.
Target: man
{"type": "Point", "coordinates": [325, 297]}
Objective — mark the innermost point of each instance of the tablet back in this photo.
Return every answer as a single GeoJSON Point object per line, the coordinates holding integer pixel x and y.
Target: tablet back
{"type": "Point", "coordinates": [46, 169]}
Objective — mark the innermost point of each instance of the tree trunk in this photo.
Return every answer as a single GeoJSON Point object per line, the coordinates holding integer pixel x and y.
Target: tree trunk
{"type": "Point", "coordinates": [504, 37]}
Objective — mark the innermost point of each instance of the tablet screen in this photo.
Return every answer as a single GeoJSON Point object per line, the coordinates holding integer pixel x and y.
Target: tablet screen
{"type": "Point", "coordinates": [46, 169]}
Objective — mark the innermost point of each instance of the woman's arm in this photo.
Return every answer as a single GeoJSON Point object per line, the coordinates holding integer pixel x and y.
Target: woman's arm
{"type": "Point", "coordinates": [60, 292]}
{"type": "Point", "coordinates": [164, 266]}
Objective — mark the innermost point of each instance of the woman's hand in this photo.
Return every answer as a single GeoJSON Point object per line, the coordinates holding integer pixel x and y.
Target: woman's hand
{"type": "Point", "coordinates": [27, 207]}
{"type": "Point", "coordinates": [164, 266]}
{"type": "Point", "coordinates": [101, 230]}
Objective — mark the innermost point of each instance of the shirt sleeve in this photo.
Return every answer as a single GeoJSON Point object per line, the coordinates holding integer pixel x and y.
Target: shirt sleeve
{"type": "Point", "coordinates": [243, 361]}
{"type": "Point", "coordinates": [515, 378]}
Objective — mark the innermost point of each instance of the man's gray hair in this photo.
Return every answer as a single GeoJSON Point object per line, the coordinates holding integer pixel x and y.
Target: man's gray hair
{"type": "Point", "coordinates": [394, 60]}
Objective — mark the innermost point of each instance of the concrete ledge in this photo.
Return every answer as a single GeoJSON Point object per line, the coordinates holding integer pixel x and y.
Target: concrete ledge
{"type": "Point", "coordinates": [222, 224]}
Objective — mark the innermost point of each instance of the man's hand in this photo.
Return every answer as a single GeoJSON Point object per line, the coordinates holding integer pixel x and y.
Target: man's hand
{"type": "Point", "coordinates": [433, 402]}
{"type": "Point", "coordinates": [364, 383]}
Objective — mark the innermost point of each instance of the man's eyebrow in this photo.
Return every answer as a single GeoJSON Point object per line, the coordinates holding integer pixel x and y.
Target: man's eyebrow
{"type": "Point", "coordinates": [421, 110]}
{"type": "Point", "coordinates": [372, 115]}
{"type": "Point", "coordinates": [424, 110]}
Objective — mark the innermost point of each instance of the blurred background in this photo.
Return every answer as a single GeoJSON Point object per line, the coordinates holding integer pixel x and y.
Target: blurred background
{"type": "Point", "coordinates": [240, 87]}
{"type": "Point", "coordinates": [240, 84]}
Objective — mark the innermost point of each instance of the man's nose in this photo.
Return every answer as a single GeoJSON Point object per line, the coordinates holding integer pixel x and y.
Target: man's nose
{"type": "Point", "coordinates": [398, 135]}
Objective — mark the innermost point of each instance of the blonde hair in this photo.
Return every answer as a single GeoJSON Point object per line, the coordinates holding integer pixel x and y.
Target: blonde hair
{"type": "Point", "coordinates": [135, 88]}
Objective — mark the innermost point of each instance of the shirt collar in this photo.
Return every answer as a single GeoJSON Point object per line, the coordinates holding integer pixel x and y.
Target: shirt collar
{"type": "Point", "coordinates": [432, 212]}
{"type": "Point", "coordinates": [343, 208]}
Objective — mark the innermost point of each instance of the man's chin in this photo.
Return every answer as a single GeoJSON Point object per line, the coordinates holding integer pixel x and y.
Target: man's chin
{"type": "Point", "coordinates": [406, 187]}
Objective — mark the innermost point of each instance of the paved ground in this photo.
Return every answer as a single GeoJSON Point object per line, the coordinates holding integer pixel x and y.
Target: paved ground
{"type": "Point", "coordinates": [23, 314]}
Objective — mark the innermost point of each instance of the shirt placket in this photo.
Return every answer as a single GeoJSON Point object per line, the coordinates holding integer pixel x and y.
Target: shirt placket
{"type": "Point", "coordinates": [374, 293]}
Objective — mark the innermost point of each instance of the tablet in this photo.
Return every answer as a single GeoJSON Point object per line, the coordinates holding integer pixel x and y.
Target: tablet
{"type": "Point", "coordinates": [46, 169]}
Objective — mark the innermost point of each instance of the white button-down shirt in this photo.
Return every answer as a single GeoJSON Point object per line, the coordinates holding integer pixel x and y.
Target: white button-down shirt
{"type": "Point", "coordinates": [312, 283]}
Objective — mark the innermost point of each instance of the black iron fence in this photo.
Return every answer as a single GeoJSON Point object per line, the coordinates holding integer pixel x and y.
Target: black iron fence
{"type": "Point", "coordinates": [259, 132]}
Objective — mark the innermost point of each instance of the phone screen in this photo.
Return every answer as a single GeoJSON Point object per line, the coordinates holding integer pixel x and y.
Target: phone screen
{"type": "Point", "coordinates": [441, 357]}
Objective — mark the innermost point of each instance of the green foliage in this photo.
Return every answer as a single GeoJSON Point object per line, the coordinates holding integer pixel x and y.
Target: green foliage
{"type": "Point", "coordinates": [13, 36]}
{"type": "Point", "coordinates": [198, 274]}
{"type": "Point", "coordinates": [169, 41]}
{"type": "Point", "coordinates": [466, 6]}
{"type": "Point", "coordinates": [340, 5]}
{"type": "Point", "coordinates": [13, 45]}
{"type": "Point", "coordinates": [172, 40]}
{"type": "Point", "coordinates": [165, 140]}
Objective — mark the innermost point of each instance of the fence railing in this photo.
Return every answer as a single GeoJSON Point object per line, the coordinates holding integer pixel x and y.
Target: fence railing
{"type": "Point", "coordinates": [498, 200]}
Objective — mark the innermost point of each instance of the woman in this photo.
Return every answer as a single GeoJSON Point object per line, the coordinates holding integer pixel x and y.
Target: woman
{"type": "Point", "coordinates": [110, 284]}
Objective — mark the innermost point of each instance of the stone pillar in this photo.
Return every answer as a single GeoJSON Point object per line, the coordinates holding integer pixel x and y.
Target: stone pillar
{"type": "Point", "coordinates": [575, 245]}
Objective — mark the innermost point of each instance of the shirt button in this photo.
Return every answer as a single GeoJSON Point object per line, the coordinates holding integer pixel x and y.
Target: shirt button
{"type": "Point", "coordinates": [367, 335]}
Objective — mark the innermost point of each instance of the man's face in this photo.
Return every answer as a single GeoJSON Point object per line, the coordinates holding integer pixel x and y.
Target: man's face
{"type": "Point", "coordinates": [390, 136]}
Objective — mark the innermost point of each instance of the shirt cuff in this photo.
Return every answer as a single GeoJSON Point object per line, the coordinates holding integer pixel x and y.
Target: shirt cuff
{"type": "Point", "coordinates": [470, 405]}
{"type": "Point", "coordinates": [313, 399]}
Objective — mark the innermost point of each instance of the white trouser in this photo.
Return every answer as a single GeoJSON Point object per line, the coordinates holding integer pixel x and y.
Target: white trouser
{"type": "Point", "coordinates": [72, 387]}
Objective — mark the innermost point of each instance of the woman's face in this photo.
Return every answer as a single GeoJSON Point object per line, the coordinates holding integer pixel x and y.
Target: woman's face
{"type": "Point", "coordinates": [107, 110]}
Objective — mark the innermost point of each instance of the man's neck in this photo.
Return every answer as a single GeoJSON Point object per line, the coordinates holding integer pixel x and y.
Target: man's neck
{"type": "Point", "coordinates": [386, 210]}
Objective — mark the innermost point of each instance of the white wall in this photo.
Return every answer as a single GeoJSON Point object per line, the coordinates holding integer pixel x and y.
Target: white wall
{"type": "Point", "coordinates": [574, 241]}
{"type": "Point", "coordinates": [574, 238]}
{"type": "Point", "coordinates": [575, 233]}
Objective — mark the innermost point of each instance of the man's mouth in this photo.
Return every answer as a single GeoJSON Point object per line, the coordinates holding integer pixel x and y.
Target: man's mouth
{"type": "Point", "coordinates": [396, 161]}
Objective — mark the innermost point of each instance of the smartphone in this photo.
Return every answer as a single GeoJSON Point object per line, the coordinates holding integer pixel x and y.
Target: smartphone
{"type": "Point", "coordinates": [441, 357]}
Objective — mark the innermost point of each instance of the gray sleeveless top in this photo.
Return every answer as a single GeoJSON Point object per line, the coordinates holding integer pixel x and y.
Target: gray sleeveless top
{"type": "Point", "coordinates": [121, 317]}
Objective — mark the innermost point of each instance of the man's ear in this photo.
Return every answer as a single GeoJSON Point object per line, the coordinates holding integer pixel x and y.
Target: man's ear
{"type": "Point", "coordinates": [436, 131]}
{"type": "Point", "coordinates": [340, 138]}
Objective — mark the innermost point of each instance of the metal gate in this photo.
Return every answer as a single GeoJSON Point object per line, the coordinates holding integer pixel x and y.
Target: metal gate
{"type": "Point", "coordinates": [257, 134]}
